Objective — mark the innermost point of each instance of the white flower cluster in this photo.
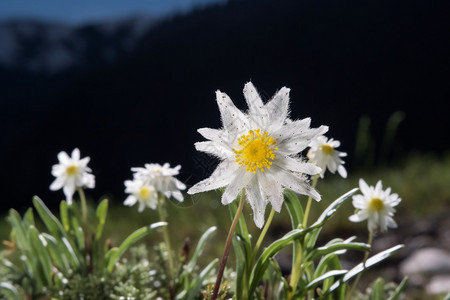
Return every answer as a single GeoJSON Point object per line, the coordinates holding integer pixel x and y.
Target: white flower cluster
{"type": "Point", "coordinates": [149, 181]}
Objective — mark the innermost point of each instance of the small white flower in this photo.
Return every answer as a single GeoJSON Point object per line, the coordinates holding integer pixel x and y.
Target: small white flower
{"type": "Point", "coordinates": [141, 192]}
{"type": "Point", "coordinates": [323, 153]}
{"type": "Point", "coordinates": [258, 152]}
{"type": "Point", "coordinates": [376, 206]}
{"type": "Point", "coordinates": [70, 173]}
{"type": "Point", "coordinates": [150, 180]}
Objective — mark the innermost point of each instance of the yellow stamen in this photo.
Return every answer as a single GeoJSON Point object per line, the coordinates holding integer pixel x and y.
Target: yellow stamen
{"type": "Point", "coordinates": [144, 192]}
{"type": "Point", "coordinates": [376, 204]}
{"type": "Point", "coordinates": [71, 170]}
{"type": "Point", "coordinates": [256, 150]}
{"type": "Point", "coordinates": [327, 149]}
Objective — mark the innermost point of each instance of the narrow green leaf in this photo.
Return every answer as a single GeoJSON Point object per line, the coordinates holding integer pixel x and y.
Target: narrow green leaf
{"type": "Point", "coordinates": [101, 212]}
{"type": "Point", "coordinates": [20, 232]}
{"type": "Point", "coordinates": [28, 218]}
{"type": "Point", "coordinates": [41, 255]}
{"type": "Point", "coordinates": [130, 240]}
{"type": "Point", "coordinates": [329, 274]}
{"type": "Point", "coordinates": [327, 214]}
{"type": "Point", "coordinates": [398, 291]}
{"type": "Point", "coordinates": [56, 253]}
{"type": "Point", "coordinates": [10, 290]}
{"type": "Point", "coordinates": [51, 222]}
{"type": "Point", "coordinates": [294, 208]}
{"type": "Point", "coordinates": [315, 254]}
{"type": "Point", "coordinates": [199, 249]}
{"type": "Point", "coordinates": [361, 267]}
{"type": "Point", "coordinates": [378, 289]}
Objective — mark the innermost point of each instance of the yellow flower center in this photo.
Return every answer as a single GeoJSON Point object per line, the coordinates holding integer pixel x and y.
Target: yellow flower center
{"type": "Point", "coordinates": [144, 192]}
{"type": "Point", "coordinates": [71, 170]}
{"type": "Point", "coordinates": [327, 149]}
{"type": "Point", "coordinates": [256, 150]}
{"type": "Point", "coordinates": [376, 204]}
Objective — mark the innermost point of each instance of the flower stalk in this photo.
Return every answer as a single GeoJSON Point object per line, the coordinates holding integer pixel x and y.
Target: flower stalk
{"type": "Point", "coordinates": [227, 247]}
{"type": "Point", "coordinates": [83, 204]}
{"type": "Point", "coordinates": [162, 217]}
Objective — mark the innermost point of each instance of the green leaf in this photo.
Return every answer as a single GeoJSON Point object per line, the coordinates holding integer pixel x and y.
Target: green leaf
{"type": "Point", "coordinates": [28, 218]}
{"type": "Point", "coordinates": [401, 287]}
{"type": "Point", "coordinates": [239, 246]}
{"type": "Point", "coordinates": [378, 289]}
{"type": "Point", "coordinates": [329, 274]}
{"type": "Point", "coordinates": [270, 251]}
{"type": "Point", "coordinates": [40, 254]}
{"type": "Point", "coordinates": [56, 253]}
{"type": "Point", "coordinates": [337, 247]}
{"type": "Point", "coordinates": [294, 208]}
{"type": "Point", "coordinates": [51, 222]}
{"type": "Point", "coordinates": [361, 267]}
{"type": "Point", "coordinates": [10, 290]}
{"type": "Point", "coordinates": [199, 249]}
{"type": "Point", "coordinates": [327, 214]}
{"type": "Point", "coordinates": [19, 230]}
{"type": "Point", "coordinates": [101, 212]}
{"type": "Point", "coordinates": [130, 240]}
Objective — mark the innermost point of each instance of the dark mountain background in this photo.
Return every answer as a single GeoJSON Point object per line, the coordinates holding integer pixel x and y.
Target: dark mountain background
{"type": "Point", "coordinates": [126, 106]}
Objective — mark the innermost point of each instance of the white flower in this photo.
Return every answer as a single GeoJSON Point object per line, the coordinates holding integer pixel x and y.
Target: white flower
{"type": "Point", "coordinates": [141, 192]}
{"type": "Point", "coordinates": [70, 173]}
{"type": "Point", "coordinates": [150, 180]}
{"type": "Point", "coordinates": [323, 153]}
{"type": "Point", "coordinates": [258, 152]}
{"type": "Point", "coordinates": [376, 206]}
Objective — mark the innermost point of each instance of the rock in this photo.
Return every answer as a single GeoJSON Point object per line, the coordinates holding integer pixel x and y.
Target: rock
{"type": "Point", "coordinates": [426, 261]}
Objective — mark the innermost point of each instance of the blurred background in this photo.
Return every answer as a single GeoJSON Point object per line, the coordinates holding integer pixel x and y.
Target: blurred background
{"type": "Point", "coordinates": [130, 82]}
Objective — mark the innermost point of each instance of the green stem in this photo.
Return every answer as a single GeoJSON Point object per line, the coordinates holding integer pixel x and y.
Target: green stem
{"type": "Point", "coordinates": [366, 255]}
{"type": "Point", "coordinates": [263, 233]}
{"type": "Point", "coordinates": [83, 204]}
{"type": "Point", "coordinates": [308, 205]}
{"type": "Point", "coordinates": [296, 271]}
{"type": "Point", "coordinates": [162, 217]}
{"type": "Point", "coordinates": [227, 248]}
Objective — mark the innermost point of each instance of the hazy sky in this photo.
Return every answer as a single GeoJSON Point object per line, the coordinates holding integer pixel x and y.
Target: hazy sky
{"type": "Point", "coordinates": [79, 11]}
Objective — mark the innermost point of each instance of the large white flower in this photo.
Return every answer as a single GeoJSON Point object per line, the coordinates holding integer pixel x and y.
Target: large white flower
{"type": "Point", "coordinates": [376, 206]}
{"type": "Point", "coordinates": [70, 173]}
{"type": "Point", "coordinates": [323, 153]}
{"type": "Point", "coordinates": [258, 152]}
{"type": "Point", "coordinates": [150, 180]}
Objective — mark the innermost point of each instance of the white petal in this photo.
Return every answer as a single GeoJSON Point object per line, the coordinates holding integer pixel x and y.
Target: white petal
{"type": "Point", "coordinates": [278, 107]}
{"type": "Point", "coordinates": [241, 179]}
{"type": "Point", "coordinates": [69, 190]}
{"type": "Point", "coordinates": [213, 148]}
{"type": "Point", "coordinates": [233, 120]}
{"type": "Point", "coordinates": [76, 154]}
{"type": "Point", "coordinates": [57, 184]}
{"type": "Point", "coordinates": [296, 165]}
{"type": "Point", "coordinates": [178, 195]}
{"type": "Point", "coordinates": [130, 201]}
{"type": "Point", "coordinates": [295, 183]}
{"type": "Point", "coordinates": [63, 158]}
{"type": "Point", "coordinates": [215, 135]}
{"type": "Point", "coordinates": [358, 217]}
{"type": "Point", "coordinates": [342, 171]}
{"type": "Point", "coordinates": [359, 202]}
{"type": "Point", "coordinates": [257, 202]}
{"type": "Point", "coordinates": [272, 190]}
{"type": "Point", "coordinates": [221, 176]}
{"type": "Point", "coordinates": [256, 107]}
{"type": "Point", "coordinates": [364, 187]}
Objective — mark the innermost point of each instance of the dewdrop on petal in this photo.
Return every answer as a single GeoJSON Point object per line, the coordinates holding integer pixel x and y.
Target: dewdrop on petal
{"type": "Point", "coordinates": [71, 173]}
{"type": "Point", "coordinates": [258, 150]}
{"type": "Point", "coordinates": [323, 153]}
{"type": "Point", "coordinates": [376, 206]}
